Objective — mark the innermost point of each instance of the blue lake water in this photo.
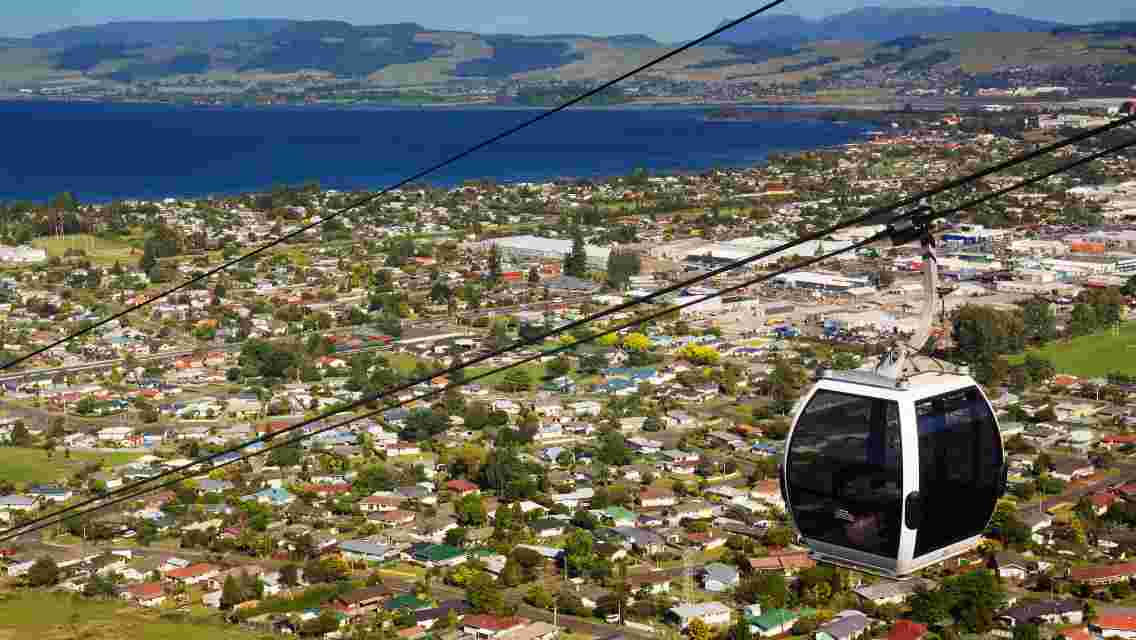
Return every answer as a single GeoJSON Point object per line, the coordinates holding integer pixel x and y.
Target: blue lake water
{"type": "Point", "coordinates": [108, 151]}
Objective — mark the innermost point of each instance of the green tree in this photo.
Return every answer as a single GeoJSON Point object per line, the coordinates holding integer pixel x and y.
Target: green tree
{"type": "Point", "coordinates": [513, 573]}
{"type": "Point", "coordinates": [538, 597]}
{"type": "Point", "coordinates": [517, 379]}
{"type": "Point", "coordinates": [984, 334]}
{"type": "Point", "coordinates": [576, 262]}
{"type": "Point", "coordinates": [1083, 320]}
{"type": "Point", "coordinates": [483, 594]}
{"type": "Point", "coordinates": [231, 594]}
{"type": "Point", "coordinates": [43, 573]}
{"type": "Point", "coordinates": [494, 265]}
{"type": "Point", "coordinates": [470, 511]}
{"type": "Point", "coordinates": [1039, 321]}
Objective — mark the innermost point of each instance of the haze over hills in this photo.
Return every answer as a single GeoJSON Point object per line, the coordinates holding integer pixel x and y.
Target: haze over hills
{"type": "Point", "coordinates": [880, 23]}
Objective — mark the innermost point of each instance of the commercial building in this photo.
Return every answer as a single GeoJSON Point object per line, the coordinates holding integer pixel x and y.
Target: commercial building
{"type": "Point", "coordinates": [824, 282]}
{"type": "Point", "coordinates": [527, 248]}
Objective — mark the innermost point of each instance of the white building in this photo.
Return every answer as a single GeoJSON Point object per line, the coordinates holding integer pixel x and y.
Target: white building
{"type": "Point", "coordinates": [526, 248]}
{"type": "Point", "coordinates": [712, 613]}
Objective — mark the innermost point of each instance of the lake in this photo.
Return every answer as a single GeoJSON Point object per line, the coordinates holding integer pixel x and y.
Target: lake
{"type": "Point", "coordinates": [103, 152]}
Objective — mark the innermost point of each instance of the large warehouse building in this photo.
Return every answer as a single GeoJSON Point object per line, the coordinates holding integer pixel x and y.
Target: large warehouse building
{"type": "Point", "coordinates": [522, 248]}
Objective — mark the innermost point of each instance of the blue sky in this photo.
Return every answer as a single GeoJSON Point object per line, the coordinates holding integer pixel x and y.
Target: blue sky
{"type": "Point", "coordinates": [668, 21]}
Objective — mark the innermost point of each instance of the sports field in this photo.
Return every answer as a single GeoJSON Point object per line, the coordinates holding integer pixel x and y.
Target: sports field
{"type": "Point", "coordinates": [30, 466]}
{"type": "Point", "coordinates": [48, 616]}
{"type": "Point", "coordinates": [1093, 356]}
{"type": "Point", "coordinates": [98, 250]}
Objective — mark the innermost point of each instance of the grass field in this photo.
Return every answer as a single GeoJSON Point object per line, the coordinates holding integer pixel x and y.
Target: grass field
{"type": "Point", "coordinates": [47, 616]}
{"type": "Point", "coordinates": [23, 466]}
{"type": "Point", "coordinates": [98, 249]}
{"type": "Point", "coordinates": [1092, 356]}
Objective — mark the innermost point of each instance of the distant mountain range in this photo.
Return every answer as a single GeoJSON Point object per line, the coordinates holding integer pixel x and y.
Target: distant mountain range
{"type": "Point", "coordinates": [879, 24]}
{"type": "Point", "coordinates": [767, 49]}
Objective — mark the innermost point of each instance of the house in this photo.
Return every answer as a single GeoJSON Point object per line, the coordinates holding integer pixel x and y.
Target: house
{"type": "Point", "coordinates": [717, 577]}
{"type": "Point", "coordinates": [50, 493]}
{"type": "Point", "coordinates": [907, 630]}
{"type": "Point", "coordinates": [1099, 575]}
{"type": "Point", "coordinates": [380, 503]}
{"type": "Point", "coordinates": [714, 614]}
{"type": "Point", "coordinates": [462, 487]}
{"type": "Point", "coordinates": [652, 497]}
{"type": "Point", "coordinates": [435, 555]}
{"type": "Point", "coordinates": [776, 621]}
{"type": "Point", "coordinates": [547, 527]}
{"type": "Point", "coordinates": [1072, 469]}
{"type": "Point", "coordinates": [641, 540]}
{"type": "Point", "coordinates": [483, 626]}
{"type": "Point", "coordinates": [1115, 625]}
{"type": "Point", "coordinates": [1015, 567]}
{"type": "Point", "coordinates": [275, 496]}
{"type": "Point", "coordinates": [847, 625]}
{"type": "Point", "coordinates": [365, 551]}
{"type": "Point", "coordinates": [891, 592]}
{"type": "Point", "coordinates": [538, 630]}
{"type": "Point", "coordinates": [362, 601]}
{"type": "Point", "coordinates": [786, 563]}
{"type": "Point", "coordinates": [655, 582]}
{"type": "Point", "coordinates": [619, 517]}
{"type": "Point", "coordinates": [146, 594]}
{"type": "Point", "coordinates": [396, 518]}
{"type": "Point", "coordinates": [426, 618]}
{"type": "Point", "coordinates": [193, 574]}
{"type": "Point", "coordinates": [17, 503]}
{"type": "Point", "coordinates": [1047, 611]}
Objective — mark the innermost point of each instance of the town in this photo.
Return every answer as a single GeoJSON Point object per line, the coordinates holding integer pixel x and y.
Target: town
{"type": "Point", "coordinates": [621, 486]}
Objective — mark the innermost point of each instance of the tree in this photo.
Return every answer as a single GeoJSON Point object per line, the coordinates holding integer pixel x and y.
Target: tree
{"type": "Point", "coordinates": [289, 575]}
{"type": "Point", "coordinates": [517, 380]}
{"type": "Point", "coordinates": [559, 366]}
{"type": "Point", "coordinates": [538, 597]}
{"type": "Point", "coordinates": [768, 589]}
{"type": "Point", "coordinates": [1083, 320]}
{"type": "Point", "coordinates": [1038, 369]}
{"type": "Point", "coordinates": [483, 595]}
{"type": "Point", "coordinates": [621, 266]}
{"type": "Point", "coordinates": [512, 574]}
{"type": "Point", "coordinates": [699, 354]}
{"type": "Point", "coordinates": [327, 622]}
{"type": "Point", "coordinates": [698, 630]}
{"type": "Point", "coordinates": [779, 537]}
{"type": "Point", "coordinates": [1039, 320]}
{"type": "Point", "coordinates": [494, 264]}
{"type": "Point", "coordinates": [742, 630]}
{"type": "Point", "coordinates": [984, 334]}
{"type": "Point", "coordinates": [43, 573]}
{"type": "Point", "coordinates": [231, 594]}
{"type": "Point", "coordinates": [470, 511]}
{"type": "Point", "coordinates": [636, 342]}
{"type": "Point", "coordinates": [20, 436]}
{"type": "Point", "coordinates": [576, 262]}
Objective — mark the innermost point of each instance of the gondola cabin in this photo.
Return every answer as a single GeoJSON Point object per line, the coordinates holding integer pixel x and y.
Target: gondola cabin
{"type": "Point", "coordinates": [891, 477]}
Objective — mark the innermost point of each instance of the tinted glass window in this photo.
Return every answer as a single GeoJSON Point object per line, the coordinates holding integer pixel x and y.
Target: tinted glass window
{"type": "Point", "coordinates": [960, 468]}
{"type": "Point", "coordinates": [844, 472]}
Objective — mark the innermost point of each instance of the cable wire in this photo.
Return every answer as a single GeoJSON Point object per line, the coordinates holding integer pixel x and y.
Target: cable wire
{"type": "Point", "coordinates": [405, 181]}
{"type": "Point", "coordinates": [60, 515]}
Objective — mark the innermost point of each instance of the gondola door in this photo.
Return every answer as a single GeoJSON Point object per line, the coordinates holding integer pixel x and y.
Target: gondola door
{"type": "Point", "coordinates": [845, 474]}
{"type": "Point", "coordinates": [960, 469]}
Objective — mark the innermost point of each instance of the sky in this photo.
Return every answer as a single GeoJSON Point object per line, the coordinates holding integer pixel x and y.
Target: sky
{"type": "Point", "coordinates": [665, 21]}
